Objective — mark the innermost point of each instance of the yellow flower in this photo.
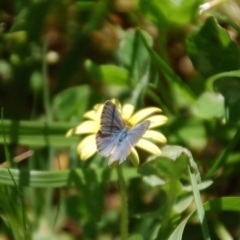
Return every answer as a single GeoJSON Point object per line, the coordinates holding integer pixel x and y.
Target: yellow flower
{"type": "Point", "coordinates": [87, 147]}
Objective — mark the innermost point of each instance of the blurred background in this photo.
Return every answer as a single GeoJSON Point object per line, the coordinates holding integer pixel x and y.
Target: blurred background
{"type": "Point", "coordinates": [58, 58]}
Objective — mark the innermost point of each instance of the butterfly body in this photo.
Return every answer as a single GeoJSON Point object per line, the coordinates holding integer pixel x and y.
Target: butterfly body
{"type": "Point", "coordinates": [123, 135]}
{"type": "Point", "coordinates": [115, 138]}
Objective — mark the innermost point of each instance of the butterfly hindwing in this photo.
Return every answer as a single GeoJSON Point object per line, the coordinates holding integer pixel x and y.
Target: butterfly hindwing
{"type": "Point", "coordinates": [120, 152]}
{"type": "Point", "coordinates": [123, 149]}
{"type": "Point", "coordinates": [114, 139]}
{"type": "Point", "coordinates": [105, 143]}
{"type": "Point", "coordinates": [137, 132]}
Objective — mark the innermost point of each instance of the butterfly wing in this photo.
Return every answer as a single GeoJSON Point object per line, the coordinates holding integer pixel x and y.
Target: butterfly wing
{"type": "Point", "coordinates": [123, 149]}
{"type": "Point", "coordinates": [105, 143]}
{"type": "Point", "coordinates": [137, 132]}
{"type": "Point", "coordinates": [111, 119]}
{"type": "Point", "coordinates": [111, 126]}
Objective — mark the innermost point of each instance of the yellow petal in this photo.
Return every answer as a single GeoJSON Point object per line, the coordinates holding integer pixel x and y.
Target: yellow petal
{"type": "Point", "coordinates": [155, 136]}
{"type": "Point", "coordinates": [116, 102]}
{"type": "Point", "coordinates": [127, 111]}
{"type": "Point", "coordinates": [134, 157]}
{"type": "Point", "coordinates": [144, 113]}
{"type": "Point", "coordinates": [94, 114]}
{"type": "Point", "coordinates": [70, 132]}
{"type": "Point", "coordinates": [157, 120]}
{"type": "Point", "coordinates": [87, 127]}
{"type": "Point", "coordinates": [148, 146]}
{"type": "Point", "coordinates": [87, 147]}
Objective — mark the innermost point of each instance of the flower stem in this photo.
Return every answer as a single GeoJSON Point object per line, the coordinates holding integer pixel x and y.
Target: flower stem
{"type": "Point", "coordinates": [124, 209]}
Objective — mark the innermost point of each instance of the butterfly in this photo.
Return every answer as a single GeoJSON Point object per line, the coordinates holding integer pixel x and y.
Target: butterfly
{"type": "Point", "coordinates": [115, 138]}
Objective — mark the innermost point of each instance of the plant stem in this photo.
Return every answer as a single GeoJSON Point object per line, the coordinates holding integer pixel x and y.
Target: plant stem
{"type": "Point", "coordinates": [49, 120]}
{"type": "Point", "coordinates": [46, 94]}
{"type": "Point", "coordinates": [124, 209]}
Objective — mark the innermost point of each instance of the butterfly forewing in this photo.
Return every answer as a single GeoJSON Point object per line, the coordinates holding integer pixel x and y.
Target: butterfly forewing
{"type": "Point", "coordinates": [137, 132]}
{"type": "Point", "coordinates": [111, 120]}
{"type": "Point", "coordinates": [111, 126]}
{"type": "Point", "coordinates": [114, 139]}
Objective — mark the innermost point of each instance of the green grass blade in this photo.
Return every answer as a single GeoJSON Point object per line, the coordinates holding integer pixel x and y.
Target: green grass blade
{"type": "Point", "coordinates": [55, 179]}
{"type": "Point", "coordinates": [168, 72]}
{"type": "Point", "coordinates": [200, 210]}
{"type": "Point", "coordinates": [219, 204]}
{"type": "Point", "coordinates": [33, 133]}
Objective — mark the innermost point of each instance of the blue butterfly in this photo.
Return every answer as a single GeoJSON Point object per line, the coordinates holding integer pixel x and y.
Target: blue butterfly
{"type": "Point", "coordinates": [115, 138]}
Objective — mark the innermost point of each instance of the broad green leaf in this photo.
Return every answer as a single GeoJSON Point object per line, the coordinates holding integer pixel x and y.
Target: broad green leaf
{"type": "Point", "coordinates": [230, 89]}
{"type": "Point", "coordinates": [107, 74]}
{"type": "Point", "coordinates": [210, 105]}
{"type": "Point", "coordinates": [175, 152]}
{"type": "Point", "coordinates": [182, 203]}
{"type": "Point", "coordinates": [164, 168]}
{"type": "Point", "coordinates": [84, 5]}
{"type": "Point", "coordinates": [170, 167]}
{"type": "Point", "coordinates": [190, 130]}
{"type": "Point", "coordinates": [71, 103]}
{"type": "Point", "coordinates": [201, 186]}
{"type": "Point", "coordinates": [133, 55]}
{"type": "Point", "coordinates": [166, 13]}
{"type": "Point", "coordinates": [228, 84]}
{"type": "Point", "coordinates": [135, 237]}
{"type": "Point", "coordinates": [172, 189]}
{"type": "Point", "coordinates": [219, 204]}
{"type": "Point", "coordinates": [171, 164]}
{"type": "Point", "coordinates": [153, 180]}
{"type": "Point", "coordinates": [211, 49]}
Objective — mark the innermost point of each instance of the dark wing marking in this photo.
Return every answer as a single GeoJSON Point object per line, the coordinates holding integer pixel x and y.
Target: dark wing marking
{"type": "Point", "coordinates": [111, 119]}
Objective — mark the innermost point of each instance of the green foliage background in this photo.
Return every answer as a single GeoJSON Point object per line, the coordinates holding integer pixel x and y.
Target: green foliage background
{"type": "Point", "coordinates": [59, 58]}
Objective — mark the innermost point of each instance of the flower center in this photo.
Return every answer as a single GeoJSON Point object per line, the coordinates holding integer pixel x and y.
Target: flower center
{"type": "Point", "coordinates": [127, 124]}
